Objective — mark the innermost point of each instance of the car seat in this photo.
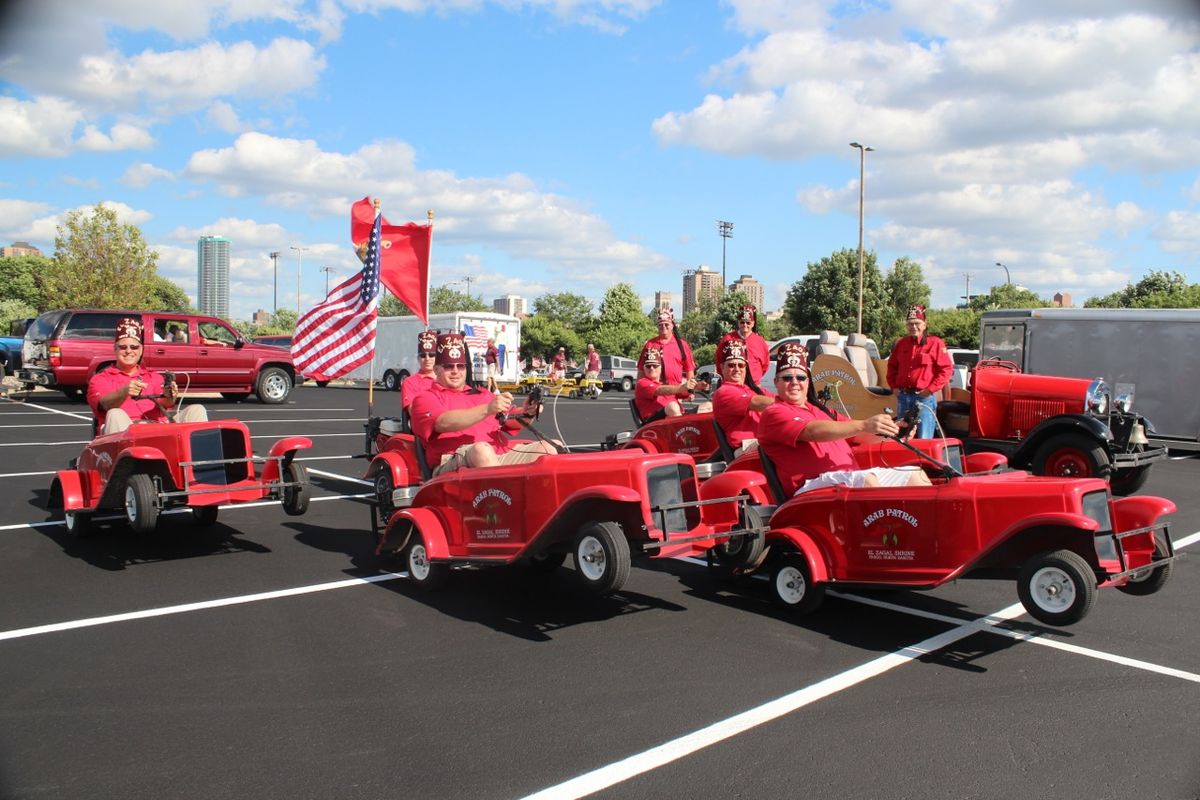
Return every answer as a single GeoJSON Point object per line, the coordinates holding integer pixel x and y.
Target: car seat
{"type": "Point", "coordinates": [859, 355]}
{"type": "Point", "coordinates": [724, 448]}
{"type": "Point", "coordinates": [772, 476]}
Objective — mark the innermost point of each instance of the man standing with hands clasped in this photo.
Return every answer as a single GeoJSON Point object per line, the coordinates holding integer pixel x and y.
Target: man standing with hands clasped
{"type": "Point", "coordinates": [918, 368]}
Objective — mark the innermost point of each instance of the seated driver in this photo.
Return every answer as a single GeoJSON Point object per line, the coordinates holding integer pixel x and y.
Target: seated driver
{"type": "Point", "coordinates": [117, 394]}
{"type": "Point", "coordinates": [737, 408]}
{"type": "Point", "coordinates": [654, 399]}
{"type": "Point", "coordinates": [807, 442]}
{"type": "Point", "coordinates": [457, 425]}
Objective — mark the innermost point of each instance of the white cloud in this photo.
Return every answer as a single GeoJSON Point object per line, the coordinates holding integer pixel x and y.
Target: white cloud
{"type": "Point", "coordinates": [39, 127]}
{"type": "Point", "coordinates": [142, 174]}
{"type": "Point", "coordinates": [1179, 232]}
{"type": "Point", "coordinates": [121, 136]}
{"type": "Point", "coordinates": [608, 16]}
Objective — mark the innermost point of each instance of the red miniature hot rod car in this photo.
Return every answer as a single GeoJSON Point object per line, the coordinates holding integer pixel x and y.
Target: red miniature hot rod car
{"type": "Point", "coordinates": [153, 466]}
{"type": "Point", "coordinates": [1060, 538]}
{"type": "Point", "coordinates": [599, 507]}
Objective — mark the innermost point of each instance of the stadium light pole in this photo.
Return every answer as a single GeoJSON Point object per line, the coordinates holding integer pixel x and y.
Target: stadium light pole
{"type": "Point", "coordinates": [299, 270]}
{"type": "Point", "coordinates": [275, 269]}
{"type": "Point", "coordinates": [725, 229]}
{"type": "Point", "coordinates": [862, 194]}
{"type": "Point", "coordinates": [1007, 278]}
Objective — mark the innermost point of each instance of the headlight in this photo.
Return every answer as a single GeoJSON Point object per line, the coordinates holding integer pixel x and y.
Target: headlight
{"type": "Point", "coordinates": [1124, 402]}
{"type": "Point", "coordinates": [1097, 397]}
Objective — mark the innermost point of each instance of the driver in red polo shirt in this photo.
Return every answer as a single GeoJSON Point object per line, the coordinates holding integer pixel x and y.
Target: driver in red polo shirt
{"type": "Point", "coordinates": [457, 425]}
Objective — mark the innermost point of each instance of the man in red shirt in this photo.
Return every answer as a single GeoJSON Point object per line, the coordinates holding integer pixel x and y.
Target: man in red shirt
{"type": "Point", "coordinates": [491, 358]}
{"type": "Point", "coordinates": [558, 367]}
{"type": "Point", "coordinates": [593, 364]}
{"type": "Point", "coordinates": [653, 398]}
{"type": "Point", "coordinates": [757, 355]}
{"type": "Point", "coordinates": [117, 394]}
{"type": "Point", "coordinates": [806, 442]}
{"type": "Point", "coordinates": [919, 367]}
{"type": "Point", "coordinates": [736, 407]}
{"type": "Point", "coordinates": [457, 425]}
{"type": "Point", "coordinates": [423, 378]}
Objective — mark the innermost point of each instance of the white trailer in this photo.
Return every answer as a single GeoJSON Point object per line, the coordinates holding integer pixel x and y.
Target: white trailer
{"type": "Point", "coordinates": [1149, 353]}
{"type": "Point", "coordinates": [396, 345]}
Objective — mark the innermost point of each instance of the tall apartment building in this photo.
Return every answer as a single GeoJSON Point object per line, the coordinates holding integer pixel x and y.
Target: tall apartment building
{"type": "Point", "coordinates": [698, 283]}
{"type": "Point", "coordinates": [19, 249]}
{"type": "Point", "coordinates": [752, 289]}
{"type": "Point", "coordinates": [212, 276]}
{"type": "Point", "coordinates": [511, 304]}
{"type": "Point", "coordinates": [664, 300]}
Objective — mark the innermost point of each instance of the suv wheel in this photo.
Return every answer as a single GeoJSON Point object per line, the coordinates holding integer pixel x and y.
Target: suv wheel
{"type": "Point", "coordinates": [73, 394]}
{"type": "Point", "coordinates": [273, 385]}
{"type": "Point", "coordinates": [626, 384]}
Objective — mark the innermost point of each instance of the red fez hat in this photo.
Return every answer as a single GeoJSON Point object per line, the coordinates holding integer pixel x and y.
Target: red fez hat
{"type": "Point", "coordinates": [427, 343]}
{"type": "Point", "coordinates": [747, 313]}
{"type": "Point", "coordinates": [916, 312]}
{"type": "Point", "coordinates": [731, 347]}
{"type": "Point", "coordinates": [451, 349]}
{"type": "Point", "coordinates": [666, 315]}
{"type": "Point", "coordinates": [652, 355]}
{"type": "Point", "coordinates": [792, 355]}
{"type": "Point", "coordinates": [129, 328]}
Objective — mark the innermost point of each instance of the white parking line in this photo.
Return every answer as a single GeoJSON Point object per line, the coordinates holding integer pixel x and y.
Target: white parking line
{"type": "Point", "coordinates": [77, 415]}
{"type": "Point", "coordinates": [261, 436]}
{"type": "Point", "coordinates": [53, 471]}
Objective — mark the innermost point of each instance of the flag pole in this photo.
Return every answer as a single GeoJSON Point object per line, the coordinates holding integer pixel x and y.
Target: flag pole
{"type": "Point", "coordinates": [429, 269]}
{"type": "Point", "coordinates": [371, 370]}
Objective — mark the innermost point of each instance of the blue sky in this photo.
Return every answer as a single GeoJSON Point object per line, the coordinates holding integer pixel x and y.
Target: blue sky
{"type": "Point", "coordinates": [565, 145]}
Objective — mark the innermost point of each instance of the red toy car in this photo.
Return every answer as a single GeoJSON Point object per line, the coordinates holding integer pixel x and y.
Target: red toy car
{"type": "Point", "coordinates": [1060, 538]}
{"type": "Point", "coordinates": [153, 466]}
{"type": "Point", "coordinates": [596, 506]}
{"type": "Point", "coordinates": [694, 435]}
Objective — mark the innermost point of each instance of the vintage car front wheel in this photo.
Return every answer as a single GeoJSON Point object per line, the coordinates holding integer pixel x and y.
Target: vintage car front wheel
{"type": "Point", "coordinates": [1127, 481]}
{"type": "Point", "coordinates": [384, 486]}
{"type": "Point", "coordinates": [1148, 581]}
{"type": "Point", "coordinates": [140, 507]}
{"type": "Point", "coordinates": [295, 498]}
{"type": "Point", "coordinates": [1057, 588]}
{"type": "Point", "coordinates": [792, 587]}
{"type": "Point", "coordinates": [602, 557]}
{"type": "Point", "coordinates": [1070, 455]}
{"type": "Point", "coordinates": [79, 523]}
{"type": "Point", "coordinates": [421, 570]}
{"type": "Point", "coordinates": [204, 516]}
{"type": "Point", "coordinates": [744, 551]}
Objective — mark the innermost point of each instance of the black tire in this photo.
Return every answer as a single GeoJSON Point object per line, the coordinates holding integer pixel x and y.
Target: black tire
{"type": "Point", "coordinates": [792, 587]}
{"type": "Point", "coordinates": [627, 384]}
{"type": "Point", "coordinates": [236, 397]}
{"type": "Point", "coordinates": [421, 571]}
{"type": "Point", "coordinates": [384, 485]}
{"type": "Point", "coordinates": [204, 516]}
{"type": "Point", "coordinates": [322, 384]}
{"type": "Point", "coordinates": [602, 557]}
{"type": "Point", "coordinates": [545, 563]}
{"type": "Point", "coordinates": [390, 381]}
{"type": "Point", "coordinates": [744, 551]}
{"type": "Point", "coordinates": [273, 386]}
{"type": "Point", "coordinates": [1149, 581]}
{"type": "Point", "coordinates": [1057, 588]}
{"type": "Point", "coordinates": [1127, 481]}
{"type": "Point", "coordinates": [78, 523]}
{"type": "Point", "coordinates": [1072, 455]}
{"type": "Point", "coordinates": [141, 508]}
{"type": "Point", "coordinates": [295, 498]}
{"type": "Point", "coordinates": [74, 394]}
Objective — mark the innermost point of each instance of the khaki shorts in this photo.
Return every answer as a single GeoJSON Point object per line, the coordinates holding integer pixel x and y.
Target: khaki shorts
{"type": "Point", "coordinates": [458, 459]}
{"type": "Point", "coordinates": [117, 420]}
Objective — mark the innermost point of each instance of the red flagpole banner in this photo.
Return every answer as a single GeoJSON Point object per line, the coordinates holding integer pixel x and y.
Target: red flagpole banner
{"type": "Point", "coordinates": [338, 334]}
{"type": "Point", "coordinates": [404, 256]}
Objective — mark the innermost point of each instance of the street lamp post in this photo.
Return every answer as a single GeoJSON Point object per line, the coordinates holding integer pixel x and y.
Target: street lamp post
{"type": "Point", "coordinates": [275, 269]}
{"type": "Point", "coordinates": [862, 193]}
{"type": "Point", "coordinates": [299, 271]}
{"type": "Point", "coordinates": [327, 270]}
{"type": "Point", "coordinates": [725, 229]}
{"type": "Point", "coordinates": [1007, 278]}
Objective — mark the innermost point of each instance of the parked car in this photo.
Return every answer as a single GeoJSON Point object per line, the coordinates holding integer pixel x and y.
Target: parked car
{"type": "Point", "coordinates": [10, 354]}
{"type": "Point", "coordinates": [63, 349]}
{"type": "Point", "coordinates": [617, 372]}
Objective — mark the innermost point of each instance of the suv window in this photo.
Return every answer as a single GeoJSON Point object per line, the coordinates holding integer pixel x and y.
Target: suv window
{"type": "Point", "coordinates": [171, 331]}
{"type": "Point", "coordinates": [91, 325]}
{"type": "Point", "coordinates": [43, 327]}
{"type": "Point", "coordinates": [215, 333]}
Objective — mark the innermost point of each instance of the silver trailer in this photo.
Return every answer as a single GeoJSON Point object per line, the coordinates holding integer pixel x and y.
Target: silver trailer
{"type": "Point", "coordinates": [1149, 353]}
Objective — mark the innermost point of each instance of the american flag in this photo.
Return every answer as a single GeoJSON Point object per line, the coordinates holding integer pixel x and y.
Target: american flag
{"type": "Point", "coordinates": [338, 335]}
{"type": "Point", "coordinates": [476, 337]}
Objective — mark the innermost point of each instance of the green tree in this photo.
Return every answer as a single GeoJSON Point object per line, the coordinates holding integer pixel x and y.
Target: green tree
{"type": "Point", "coordinates": [542, 335]}
{"type": "Point", "coordinates": [623, 327]}
{"type": "Point", "coordinates": [725, 317]}
{"type": "Point", "coordinates": [442, 300]}
{"type": "Point", "coordinates": [1157, 289]}
{"type": "Point", "coordinates": [698, 325]}
{"type": "Point", "coordinates": [14, 311]}
{"type": "Point", "coordinates": [826, 298]}
{"type": "Point", "coordinates": [957, 327]}
{"type": "Point", "coordinates": [906, 287]}
{"type": "Point", "coordinates": [20, 279]}
{"type": "Point", "coordinates": [167, 296]}
{"type": "Point", "coordinates": [1006, 295]}
{"type": "Point", "coordinates": [572, 310]}
{"type": "Point", "coordinates": [100, 263]}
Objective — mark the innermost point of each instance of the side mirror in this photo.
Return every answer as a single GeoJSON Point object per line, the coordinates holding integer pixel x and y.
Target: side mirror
{"type": "Point", "coordinates": [239, 342]}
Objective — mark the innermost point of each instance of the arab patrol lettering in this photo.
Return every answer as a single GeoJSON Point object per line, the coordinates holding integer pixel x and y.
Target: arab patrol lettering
{"type": "Point", "coordinates": [486, 493]}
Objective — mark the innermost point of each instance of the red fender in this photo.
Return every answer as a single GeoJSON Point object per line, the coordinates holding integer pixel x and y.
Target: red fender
{"type": "Point", "coordinates": [397, 464]}
{"type": "Point", "coordinates": [427, 523]}
{"type": "Point", "coordinates": [1141, 511]}
{"type": "Point", "coordinates": [732, 485]}
{"type": "Point", "coordinates": [975, 463]}
{"type": "Point", "coordinates": [281, 448]}
{"type": "Point", "coordinates": [804, 544]}
{"type": "Point", "coordinates": [71, 488]}
{"type": "Point", "coordinates": [140, 452]}
{"type": "Point", "coordinates": [641, 444]}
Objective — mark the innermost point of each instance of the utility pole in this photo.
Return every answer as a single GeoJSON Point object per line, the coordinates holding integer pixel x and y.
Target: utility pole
{"type": "Point", "coordinates": [968, 276]}
{"type": "Point", "coordinates": [299, 270]}
{"type": "Point", "coordinates": [327, 270]}
{"type": "Point", "coordinates": [275, 266]}
{"type": "Point", "coordinates": [725, 229]}
{"type": "Point", "coordinates": [467, 280]}
{"type": "Point", "coordinates": [862, 195]}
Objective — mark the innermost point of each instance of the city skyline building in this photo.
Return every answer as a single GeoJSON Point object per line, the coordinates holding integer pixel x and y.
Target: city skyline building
{"type": "Point", "coordinates": [699, 283]}
{"type": "Point", "coordinates": [664, 300]}
{"type": "Point", "coordinates": [19, 249]}
{"type": "Point", "coordinates": [750, 287]}
{"type": "Point", "coordinates": [212, 276]}
{"type": "Point", "coordinates": [511, 304]}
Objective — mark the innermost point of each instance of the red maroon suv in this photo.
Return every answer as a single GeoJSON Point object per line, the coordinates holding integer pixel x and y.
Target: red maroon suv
{"type": "Point", "coordinates": [64, 349]}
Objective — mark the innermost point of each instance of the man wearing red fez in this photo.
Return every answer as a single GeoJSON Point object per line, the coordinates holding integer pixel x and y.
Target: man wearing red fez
{"type": "Point", "coordinates": [678, 365]}
{"type": "Point", "coordinates": [118, 394]}
{"type": "Point", "coordinates": [807, 442]}
{"type": "Point", "coordinates": [757, 356]}
{"type": "Point", "coordinates": [919, 367]}
{"type": "Point", "coordinates": [653, 398]}
{"type": "Point", "coordinates": [736, 406]}
{"type": "Point", "coordinates": [423, 378]}
{"type": "Point", "coordinates": [457, 425]}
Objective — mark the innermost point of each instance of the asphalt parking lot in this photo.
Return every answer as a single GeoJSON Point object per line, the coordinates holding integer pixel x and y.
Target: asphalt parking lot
{"type": "Point", "coordinates": [268, 657]}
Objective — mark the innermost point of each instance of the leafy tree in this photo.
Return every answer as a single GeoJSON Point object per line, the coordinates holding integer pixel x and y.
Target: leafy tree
{"type": "Point", "coordinates": [1006, 295]}
{"type": "Point", "coordinates": [774, 329]}
{"type": "Point", "coordinates": [906, 287]}
{"type": "Point", "coordinates": [542, 335]}
{"type": "Point", "coordinates": [1157, 289]}
{"type": "Point", "coordinates": [697, 325]}
{"type": "Point", "coordinates": [705, 354]}
{"type": "Point", "coordinates": [166, 296]}
{"type": "Point", "coordinates": [442, 300]}
{"type": "Point", "coordinates": [623, 327]}
{"type": "Point", "coordinates": [100, 263]}
{"type": "Point", "coordinates": [826, 298]}
{"type": "Point", "coordinates": [572, 310]}
{"type": "Point", "coordinates": [957, 327]}
{"type": "Point", "coordinates": [20, 279]}
{"type": "Point", "coordinates": [725, 317]}
{"type": "Point", "coordinates": [14, 311]}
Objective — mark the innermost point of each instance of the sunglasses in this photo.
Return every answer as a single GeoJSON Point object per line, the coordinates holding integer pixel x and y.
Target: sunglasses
{"type": "Point", "coordinates": [792, 378]}
{"type": "Point", "coordinates": [454, 367]}
{"type": "Point", "coordinates": [426, 355]}
{"type": "Point", "coordinates": [129, 347]}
